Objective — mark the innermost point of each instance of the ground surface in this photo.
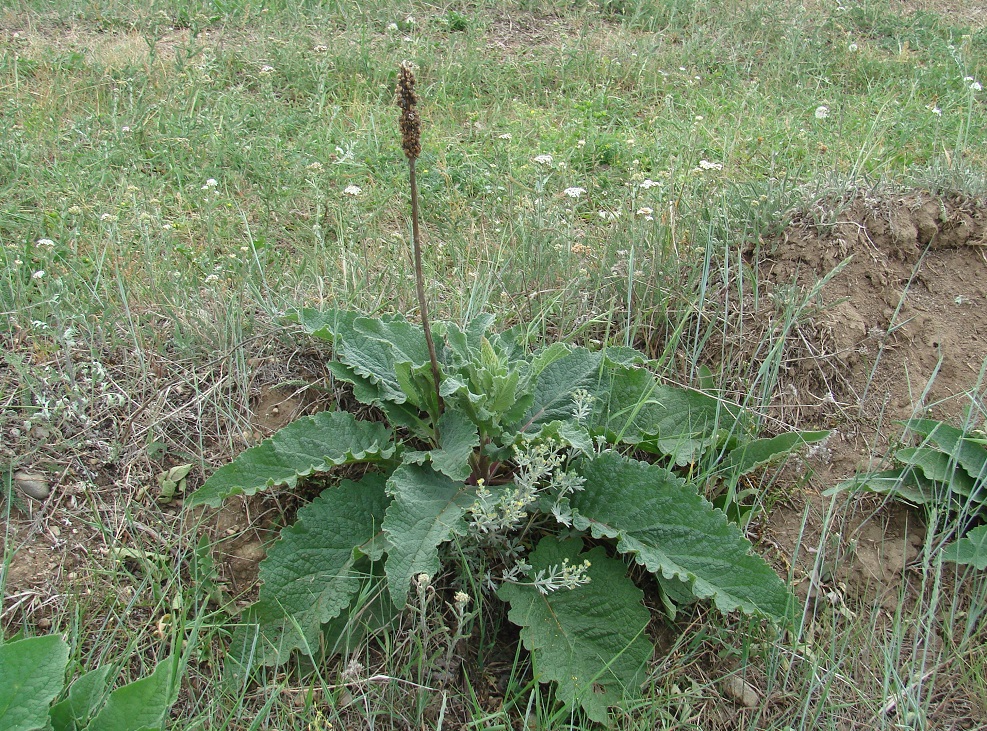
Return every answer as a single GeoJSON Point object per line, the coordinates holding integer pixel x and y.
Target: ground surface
{"type": "Point", "coordinates": [870, 307]}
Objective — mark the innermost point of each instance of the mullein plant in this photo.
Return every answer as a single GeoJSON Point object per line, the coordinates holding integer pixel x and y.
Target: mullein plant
{"type": "Point", "coordinates": [516, 473]}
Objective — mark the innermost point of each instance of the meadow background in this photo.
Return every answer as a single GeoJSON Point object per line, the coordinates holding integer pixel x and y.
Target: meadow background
{"type": "Point", "coordinates": [175, 175]}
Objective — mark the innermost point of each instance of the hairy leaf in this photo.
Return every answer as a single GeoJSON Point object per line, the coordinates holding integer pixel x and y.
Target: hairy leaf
{"type": "Point", "coordinates": [309, 574]}
{"type": "Point", "coordinates": [971, 549]}
{"type": "Point", "coordinates": [85, 696]}
{"type": "Point", "coordinates": [143, 703]}
{"type": "Point", "coordinates": [939, 467]}
{"type": "Point", "coordinates": [633, 408]}
{"type": "Point", "coordinates": [905, 483]}
{"type": "Point", "coordinates": [590, 640]}
{"type": "Point", "coordinates": [556, 383]}
{"type": "Point", "coordinates": [427, 511]}
{"type": "Point", "coordinates": [307, 445]}
{"type": "Point", "coordinates": [324, 324]}
{"type": "Point", "coordinates": [757, 452]}
{"type": "Point", "coordinates": [459, 438]}
{"type": "Point", "coordinates": [32, 672]}
{"type": "Point", "coordinates": [971, 455]}
{"type": "Point", "coordinates": [265, 635]}
{"type": "Point", "coordinates": [666, 526]}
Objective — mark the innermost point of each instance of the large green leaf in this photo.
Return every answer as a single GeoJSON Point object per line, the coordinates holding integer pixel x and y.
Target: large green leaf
{"type": "Point", "coordinates": [560, 376]}
{"type": "Point", "coordinates": [938, 466]}
{"type": "Point", "coordinates": [970, 454]}
{"type": "Point", "coordinates": [372, 348]}
{"type": "Point", "coordinates": [324, 324]}
{"type": "Point", "coordinates": [971, 549]}
{"type": "Point", "coordinates": [427, 511]}
{"type": "Point", "coordinates": [757, 452]}
{"type": "Point", "coordinates": [32, 672]}
{"type": "Point", "coordinates": [459, 438]}
{"type": "Point", "coordinates": [405, 341]}
{"type": "Point", "coordinates": [143, 704]}
{"type": "Point", "coordinates": [633, 408]}
{"type": "Point", "coordinates": [85, 696]}
{"type": "Point", "coordinates": [666, 526]}
{"type": "Point", "coordinates": [590, 640]}
{"type": "Point", "coordinates": [309, 576]}
{"type": "Point", "coordinates": [308, 445]}
{"type": "Point", "coordinates": [266, 636]}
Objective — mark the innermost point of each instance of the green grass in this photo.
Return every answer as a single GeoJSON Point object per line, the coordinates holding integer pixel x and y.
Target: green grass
{"type": "Point", "coordinates": [145, 341]}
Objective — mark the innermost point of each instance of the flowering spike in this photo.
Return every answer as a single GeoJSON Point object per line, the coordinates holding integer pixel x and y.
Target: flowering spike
{"type": "Point", "coordinates": [407, 100]}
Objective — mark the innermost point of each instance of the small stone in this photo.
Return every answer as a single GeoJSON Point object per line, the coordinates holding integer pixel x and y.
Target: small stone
{"type": "Point", "coordinates": [32, 485]}
{"type": "Point", "coordinates": [740, 692]}
{"type": "Point", "coordinates": [253, 551]}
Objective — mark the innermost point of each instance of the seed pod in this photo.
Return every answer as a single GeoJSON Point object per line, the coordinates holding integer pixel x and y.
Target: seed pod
{"type": "Point", "coordinates": [407, 100]}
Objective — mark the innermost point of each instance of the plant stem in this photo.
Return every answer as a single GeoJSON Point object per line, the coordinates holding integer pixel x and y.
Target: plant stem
{"type": "Point", "coordinates": [420, 283]}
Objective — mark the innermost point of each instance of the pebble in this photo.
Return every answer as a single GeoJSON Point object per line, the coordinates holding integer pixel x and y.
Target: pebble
{"type": "Point", "coordinates": [740, 692]}
{"type": "Point", "coordinates": [32, 485]}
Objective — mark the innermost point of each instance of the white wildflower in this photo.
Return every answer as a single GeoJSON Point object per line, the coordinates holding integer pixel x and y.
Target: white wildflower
{"type": "Point", "coordinates": [392, 27]}
{"type": "Point", "coordinates": [976, 86]}
{"type": "Point", "coordinates": [211, 278]}
{"type": "Point", "coordinates": [937, 111]}
{"type": "Point", "coordinates": [649, 183]}
{"type": "Point", "coordinates": [314, 166]}
{"type": "Point", "coordinates": [38, 274]}
{"type": "Point", "coordinates": [265, 70]}
{"type": "Point", "coordinates": [543, 159]}
{"type": "Point", "coordinates": [45, 243]}
{"type": "Point", "coordinates": [581, 143]}
{"type": "Point", "coordinates": [707, 165]}
{"type": "Point", "coordinates": [574, 192]}
{"type": "Point", "coordinates": [320, 48]}
{"type": "Point", "coordinates": [647, 212]}
{"type": "Point", "coordinates": [505, 136]}
{"type": "Point", "coordinates": [125, 129]}
{"type": "Point", "coordinates": [822, 111]}
{"type": "Point", "coordinates": [353, 190]}
{"type": "Point", "coordinates": [852, 48]}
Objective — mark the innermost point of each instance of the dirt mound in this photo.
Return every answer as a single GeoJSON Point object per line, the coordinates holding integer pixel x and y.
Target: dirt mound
{"type": "Point", "coordinates": [887, 297]}
{"type": "Point", "coordinates": [880, 306]}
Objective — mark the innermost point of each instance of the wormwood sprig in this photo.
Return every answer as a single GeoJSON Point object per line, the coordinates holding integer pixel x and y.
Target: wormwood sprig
{"type": "Point", "coordinates": [411, 136]}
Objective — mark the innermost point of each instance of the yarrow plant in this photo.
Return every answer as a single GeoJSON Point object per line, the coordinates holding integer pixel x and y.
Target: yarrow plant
{"type": "Point", "coordinates": [514, 466]}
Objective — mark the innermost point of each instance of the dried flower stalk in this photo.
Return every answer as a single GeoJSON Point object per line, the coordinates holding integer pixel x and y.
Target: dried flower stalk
{"type": "Point", "coordinates": [411, 141]}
